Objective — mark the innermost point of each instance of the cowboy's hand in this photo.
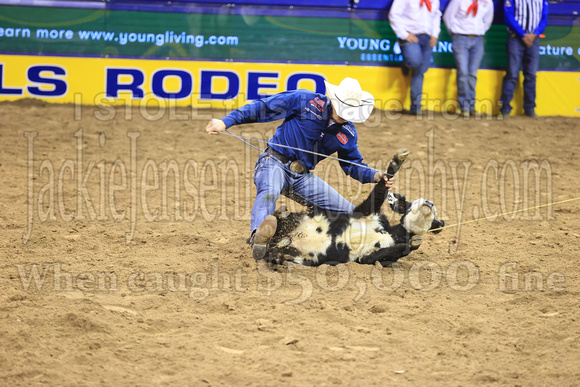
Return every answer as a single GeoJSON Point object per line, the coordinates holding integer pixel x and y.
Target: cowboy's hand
{"type": "Point", "coordinates": [412, 38]}
{"type": "Point", "coordinates": [388, 182]}
{"type": "Point", "coordinates": [214, 126]}
{"type": "Point", "coordinates": [432, 41]}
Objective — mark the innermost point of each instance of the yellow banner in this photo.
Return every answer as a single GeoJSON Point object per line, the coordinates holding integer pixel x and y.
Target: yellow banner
{"type": "Point", "coordinates": [158, 83]}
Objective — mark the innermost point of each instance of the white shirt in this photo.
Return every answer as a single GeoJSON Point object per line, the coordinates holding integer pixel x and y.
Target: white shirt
{"type": "Point", "coordinates": [407, 16]}
{"type": "Point", "coordinates": [458, 21]}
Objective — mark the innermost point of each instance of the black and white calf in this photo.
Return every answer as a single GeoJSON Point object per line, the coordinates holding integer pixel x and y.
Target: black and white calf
{"type": "Point", "coordinates": [364, 236]}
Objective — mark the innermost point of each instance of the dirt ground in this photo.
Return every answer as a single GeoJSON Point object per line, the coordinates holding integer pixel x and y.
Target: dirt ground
{"type": "Point", "coordinates": [110, 275]}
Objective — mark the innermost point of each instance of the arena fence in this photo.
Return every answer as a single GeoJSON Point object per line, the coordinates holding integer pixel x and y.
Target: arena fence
{"type": "Point", "coordinates": [221, 54]}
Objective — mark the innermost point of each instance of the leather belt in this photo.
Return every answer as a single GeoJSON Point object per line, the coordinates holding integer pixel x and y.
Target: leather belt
{"type": "Point", "coordinates": [277, 155]}
{"type": "Point", "coordinates": [469, 36]}
{"type": "Point", "coordinates": [295, 166]}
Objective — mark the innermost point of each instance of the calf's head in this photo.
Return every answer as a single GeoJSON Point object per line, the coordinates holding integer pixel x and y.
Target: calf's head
{"type": "Point", "coordinates": [420, 216]}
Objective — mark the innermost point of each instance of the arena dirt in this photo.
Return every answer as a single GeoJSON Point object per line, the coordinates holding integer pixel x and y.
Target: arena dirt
{"type": "Point", "coordinates": [111, 276]}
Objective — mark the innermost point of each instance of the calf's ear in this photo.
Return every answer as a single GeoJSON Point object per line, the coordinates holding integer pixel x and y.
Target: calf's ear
{"type": "Point", "coordinates": [398, 203]}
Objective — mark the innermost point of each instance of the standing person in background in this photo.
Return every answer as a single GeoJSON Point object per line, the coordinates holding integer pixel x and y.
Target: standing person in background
{"type": "Point", "coordinates": [467, 21]}
{"type": "Point", "coordinates": [417, 24]}
{"type": "Point", "coordinates": [525, 21]}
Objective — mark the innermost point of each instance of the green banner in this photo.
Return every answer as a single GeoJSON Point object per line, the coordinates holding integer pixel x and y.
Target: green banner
{"type": "Point", "coordinates": [67, 31]}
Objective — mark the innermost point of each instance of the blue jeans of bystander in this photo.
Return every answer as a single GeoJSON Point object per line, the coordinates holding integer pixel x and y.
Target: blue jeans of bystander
{"type": "Point", "coordinates": [519, 54]}
{"type": "Point", "coordinates": [468, 53]}
{"type": "Point", "coordinates": [416, 56]}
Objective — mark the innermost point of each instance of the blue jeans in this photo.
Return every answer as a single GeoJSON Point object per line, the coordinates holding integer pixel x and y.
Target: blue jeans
{"type": "Point", "coordinates": [273, 178]}
{"type": "Point", "coordinates": [519, 54]}
{"type": "Point", "coordinates": [416, 56]}
{"type": "Point", "coordinates": [468, 53]}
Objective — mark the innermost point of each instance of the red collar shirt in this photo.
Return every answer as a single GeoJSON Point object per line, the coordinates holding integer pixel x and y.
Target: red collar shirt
{"type": "Point", "coordinates": [416, 17]}
{"type": "Point", "coordinates": [468, 17]}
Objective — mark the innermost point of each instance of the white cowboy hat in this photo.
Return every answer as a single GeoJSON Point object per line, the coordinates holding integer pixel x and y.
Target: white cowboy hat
{"type": "Point", "coordinates": [350, 101]}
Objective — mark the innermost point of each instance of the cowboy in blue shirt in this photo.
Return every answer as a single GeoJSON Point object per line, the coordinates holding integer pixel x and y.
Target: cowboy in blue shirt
{"type": "Point", "coordinates": [312, 122]}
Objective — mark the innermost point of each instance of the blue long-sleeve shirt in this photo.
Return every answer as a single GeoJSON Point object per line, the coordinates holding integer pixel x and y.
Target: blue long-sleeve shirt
{"type": "Point", "coordinates": [526, 16]}
{"type": "Point", "coordinates": [306, 126]}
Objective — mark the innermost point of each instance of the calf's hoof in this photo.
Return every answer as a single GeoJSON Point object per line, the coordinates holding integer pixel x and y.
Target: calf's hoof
{"type": "Point", "coordinates": [415, 242]}
{"type": "Point", "coordinates": [398, 160]}
{"type": "Point", "coordinates": [264, 233]}
{"type": "Point", "coordinates": [401, 155]}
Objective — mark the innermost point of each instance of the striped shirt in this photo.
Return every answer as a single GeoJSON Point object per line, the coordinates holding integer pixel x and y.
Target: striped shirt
{"type": "Point", "coordinates": [526, 16]}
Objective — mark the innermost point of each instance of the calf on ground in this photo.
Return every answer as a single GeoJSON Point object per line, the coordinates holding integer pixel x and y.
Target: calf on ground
{"type": "Point", "coordinates": [365, 235]}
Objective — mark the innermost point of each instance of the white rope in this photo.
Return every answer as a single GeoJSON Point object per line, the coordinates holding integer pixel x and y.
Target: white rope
{"type": "Point", "coordinates": [242, 139]}
{"type": "Point", "coordinates": [505, 213]}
